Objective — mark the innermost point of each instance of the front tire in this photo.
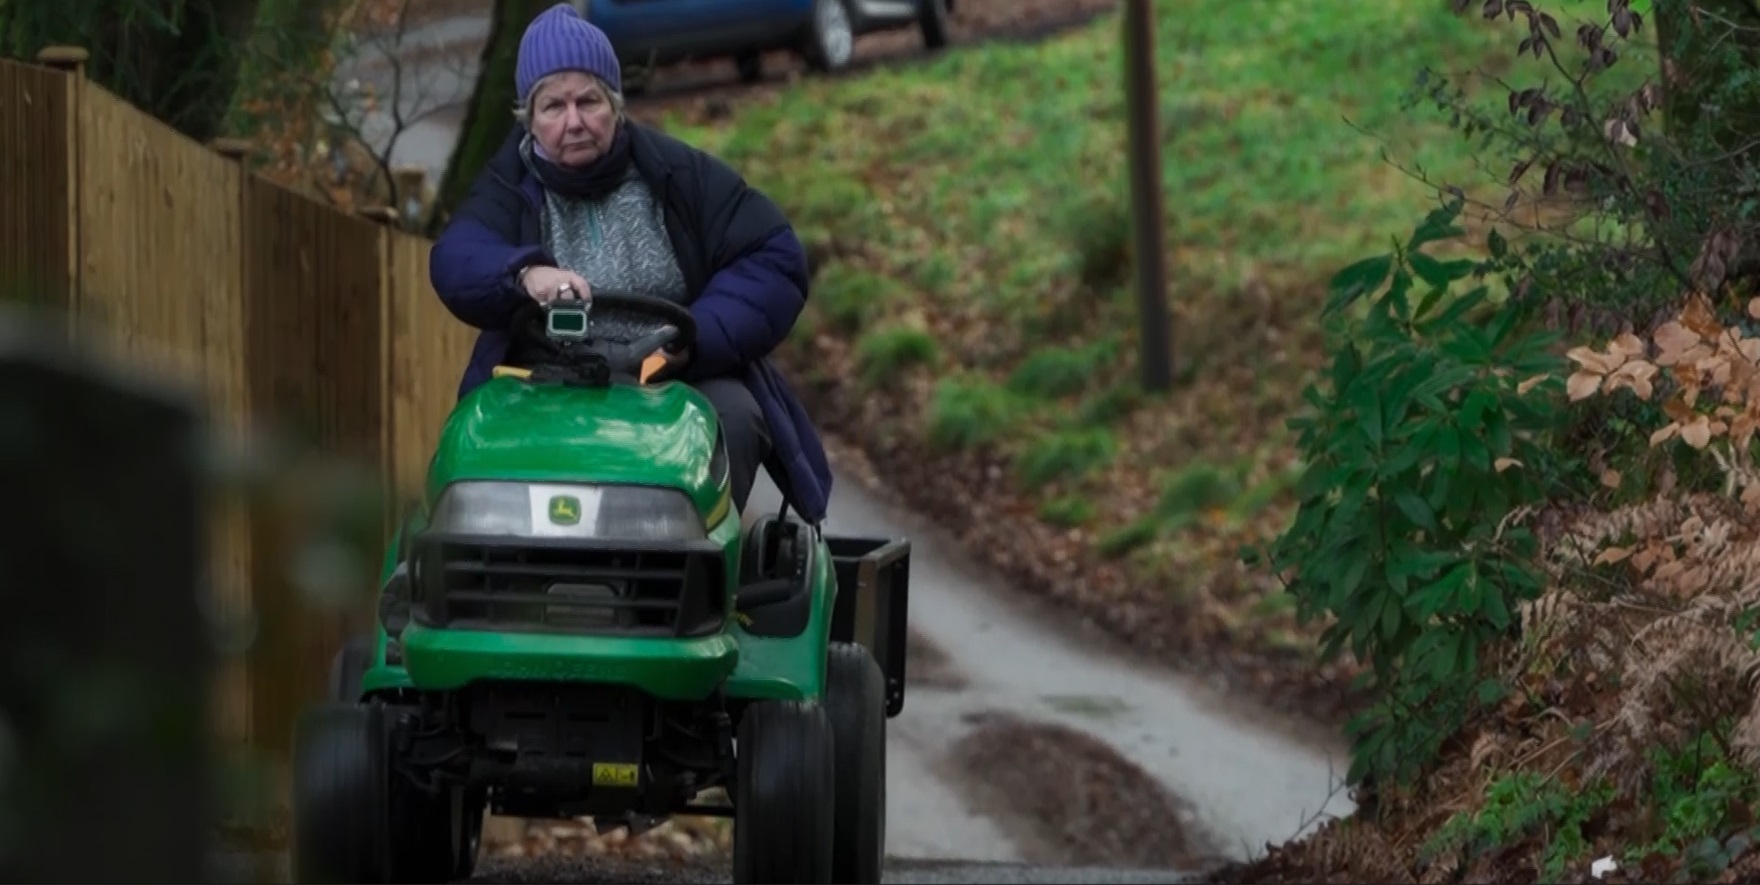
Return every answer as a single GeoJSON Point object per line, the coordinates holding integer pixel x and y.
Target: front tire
{"type": "Point", "coordinates": [340, 780]}
{"type": "Point", "coordinates": [832, 40]}
{"type": "Point", "coordinates": [785, 795]}
{"type": "Point", "coordinates": [855, 699]}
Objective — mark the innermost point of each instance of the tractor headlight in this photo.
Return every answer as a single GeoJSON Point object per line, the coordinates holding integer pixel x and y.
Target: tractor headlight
{"type": "Point", "coordinates": [558, 510]}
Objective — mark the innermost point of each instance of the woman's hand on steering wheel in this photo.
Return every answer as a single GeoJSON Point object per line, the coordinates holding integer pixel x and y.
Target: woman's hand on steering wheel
{"type": "Point", "coordinates": [547, 284]}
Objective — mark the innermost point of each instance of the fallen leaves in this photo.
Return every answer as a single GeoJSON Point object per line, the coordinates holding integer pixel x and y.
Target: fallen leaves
{"type": "Point", "coordinates": [1620, 367]}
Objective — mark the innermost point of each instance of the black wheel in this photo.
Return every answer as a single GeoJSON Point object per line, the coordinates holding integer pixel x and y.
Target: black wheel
{"type": "Point", "coordinates": [784, 798]}
{"type": "Point", "coordinates": [470, 844]}
{"type": "Point", "coordinates": [340, 780]}
{"type": "Point", "coordinates": [831, 40]}
{"type": "Point", "coordinates": [427, 833]}
{"type": "Point", "coordinates": [349, 667]}
{"type": "Point", "coordinates": [855, 701]}
{"type": "Point", "coordinates": [751, 67]}
{"type": "Point", "coordinates": [932, 19]}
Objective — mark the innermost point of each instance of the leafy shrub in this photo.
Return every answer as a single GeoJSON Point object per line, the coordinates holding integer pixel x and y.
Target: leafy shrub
{"type": "Point", "coordinates": [1427, 435]}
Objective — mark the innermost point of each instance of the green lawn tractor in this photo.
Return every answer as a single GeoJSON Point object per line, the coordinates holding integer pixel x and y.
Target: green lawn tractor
{"type": "Point", "coordinates": [574, 624]}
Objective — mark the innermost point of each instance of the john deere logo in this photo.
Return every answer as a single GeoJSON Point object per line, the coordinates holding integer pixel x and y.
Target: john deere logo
{"type": "Point", "coordinates": [565, 510]}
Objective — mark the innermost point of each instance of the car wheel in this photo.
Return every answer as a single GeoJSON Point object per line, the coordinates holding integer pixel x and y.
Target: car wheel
{"type": "Point", "coordinates": [784, 795]}
{"type": "Point", "coordinates": [832, 42]}
{"type": "Point", "coordinates": [751, 67]}
{"type": "Point", "coordinates": [932, 19]}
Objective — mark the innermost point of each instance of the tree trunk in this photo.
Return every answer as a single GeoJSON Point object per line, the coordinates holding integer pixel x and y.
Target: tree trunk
{"type": "Point", "coordinates": [490, 111]}
{"type": "Point", "coordinates": [1704, 46]}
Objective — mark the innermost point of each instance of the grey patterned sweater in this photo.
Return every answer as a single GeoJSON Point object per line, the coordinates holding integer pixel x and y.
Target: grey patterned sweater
{"type": "Point", "coordinates": [616, 243]}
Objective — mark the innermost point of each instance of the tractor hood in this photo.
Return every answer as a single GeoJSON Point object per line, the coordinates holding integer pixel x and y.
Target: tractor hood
{"type": "Point", "coordinates": [508, 429]}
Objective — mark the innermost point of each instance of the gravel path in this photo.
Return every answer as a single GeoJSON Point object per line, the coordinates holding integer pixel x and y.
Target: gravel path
{"type": "Point", "coordinates": [600, 872]}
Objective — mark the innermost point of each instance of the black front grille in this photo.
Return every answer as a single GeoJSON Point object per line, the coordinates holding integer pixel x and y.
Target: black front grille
{"type": "Point", "coordinates": [574, 587]}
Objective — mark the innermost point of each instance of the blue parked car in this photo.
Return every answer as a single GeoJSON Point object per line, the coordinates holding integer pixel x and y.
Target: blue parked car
{"type": "Point", "coordinates": [650, 33]}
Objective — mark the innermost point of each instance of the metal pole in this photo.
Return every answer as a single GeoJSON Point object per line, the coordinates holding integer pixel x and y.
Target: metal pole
{"type": "Point", "coordinates": [1156, 345]}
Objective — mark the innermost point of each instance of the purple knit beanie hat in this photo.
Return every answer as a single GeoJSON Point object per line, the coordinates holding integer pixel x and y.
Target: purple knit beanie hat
{"type": "Point", "coordinates": [560, 40]}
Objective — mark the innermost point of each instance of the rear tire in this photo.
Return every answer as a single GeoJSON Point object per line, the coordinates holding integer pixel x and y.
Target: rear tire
{"type": "Point", "coordinates": [340, 776]}
{"type": "Point", "coordinates": [831, 39]}
{"type": "Point", "coordinates": [784, 800]}
{"type": "Point", "coordinates": [855, 699]}
{"type": "Point", "coordinates": [932, 19]}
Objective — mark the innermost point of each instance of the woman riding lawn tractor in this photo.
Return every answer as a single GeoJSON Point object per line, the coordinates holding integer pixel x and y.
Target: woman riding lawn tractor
{"type": "Point", "coordinates": [581, 196]}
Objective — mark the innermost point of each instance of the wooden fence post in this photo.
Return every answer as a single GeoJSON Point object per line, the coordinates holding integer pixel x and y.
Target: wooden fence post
{"type": "Point", "coordinates": [70, 60]}
{"type": "Point", "coordinates": [240, 682]}
{"type": "Point", "coordinates": [391, 222]}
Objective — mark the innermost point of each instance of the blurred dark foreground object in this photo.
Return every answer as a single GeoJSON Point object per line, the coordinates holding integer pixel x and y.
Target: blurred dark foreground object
{"type": "Point", "coordinates": [104, 686]}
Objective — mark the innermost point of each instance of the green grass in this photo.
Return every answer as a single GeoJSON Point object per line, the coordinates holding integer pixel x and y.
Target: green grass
{"type": "Point", "coordinates": [981, 201]}
{"type": "Point", "coordinates": [968, 171]}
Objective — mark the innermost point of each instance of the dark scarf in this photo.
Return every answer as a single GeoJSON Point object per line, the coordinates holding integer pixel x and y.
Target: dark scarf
{"type": "Point", "coordinates": [594, 181]}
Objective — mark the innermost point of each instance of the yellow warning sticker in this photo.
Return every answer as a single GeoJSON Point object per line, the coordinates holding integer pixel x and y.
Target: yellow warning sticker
{"type": "Point", "coordinates": [615, 774]}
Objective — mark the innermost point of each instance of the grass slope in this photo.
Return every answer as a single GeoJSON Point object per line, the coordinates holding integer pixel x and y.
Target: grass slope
{"type": "Point", "coordinates": [972, 318]}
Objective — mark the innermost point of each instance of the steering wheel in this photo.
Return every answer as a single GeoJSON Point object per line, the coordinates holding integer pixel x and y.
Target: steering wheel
{"type": "Point", "coordinates": [531, 329]}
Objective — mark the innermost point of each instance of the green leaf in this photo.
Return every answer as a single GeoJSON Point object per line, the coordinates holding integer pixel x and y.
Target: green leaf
{"type": "Point", "coordinates": [1411, 451]}
{"type": "Point", "coordinates": [1448, 446]}
{"type": "Point", "coordinates": [1366, 399]}
{"type": "Point", "coordinates": [1429, 269]}
{"type": "Point", "coordinates": [1356, 281]}
{"type": "Point", "coordinates": [1468, 300]}
{"type": "Point", "coordinates": [1438, 225]}
{"type": "Point", "coordinates": [1429, 301]}
{"type": "Point", "coordinates": [1439, 381]}
{"type": "Point", "coordinates": [1419, 563]}
{"type": "Point", "coordinates": [1498, 246]}
{"type": "Point", "coordinates": [1444, 660]}
{"type": "Point", "coordinates": [1438, 596]}
{"type": "Point", "coordinates": [1350, 502]}
{"type": "Point", "coordinates": [1491, 691]}
{"type": "Point", "coordinates": [1346, 586]}
{"type": "Point", "coordinates": [1390, 618]}
{"type": "Point", "coordinates": [1494, 610]}
{"type": "Point", "coordinates": [1416, 510]}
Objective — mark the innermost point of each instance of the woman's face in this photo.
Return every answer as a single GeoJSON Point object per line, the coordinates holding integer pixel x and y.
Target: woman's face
{"type": "Point", "coordinates": [573, 118]}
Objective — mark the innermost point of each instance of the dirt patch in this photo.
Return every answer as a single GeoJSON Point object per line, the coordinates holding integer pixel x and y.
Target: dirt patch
{"type": "Point", "coordinates": [928, 666]}
{"type": "Point", "coordinates": [1069, 799]}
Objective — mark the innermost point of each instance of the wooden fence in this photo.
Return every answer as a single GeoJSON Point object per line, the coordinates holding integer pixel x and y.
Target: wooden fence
{"type": "Point", "coordinates": [284, 311]}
